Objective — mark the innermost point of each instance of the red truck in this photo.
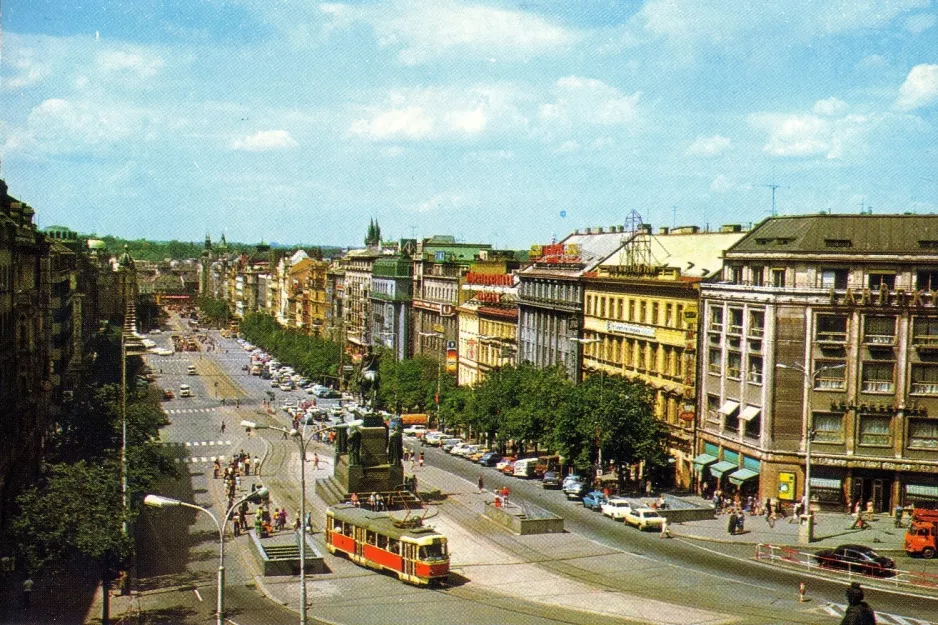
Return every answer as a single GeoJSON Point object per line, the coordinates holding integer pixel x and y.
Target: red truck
{"type": "Point", "coordinates": [921, 537]}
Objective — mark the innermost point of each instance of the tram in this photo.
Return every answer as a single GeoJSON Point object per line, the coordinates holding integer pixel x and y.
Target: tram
{"type": "Point", "coordinates": [415, 553]}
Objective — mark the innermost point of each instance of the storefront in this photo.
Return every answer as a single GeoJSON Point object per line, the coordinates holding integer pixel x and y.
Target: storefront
{"type": "Point", "coordinates": [746, 478]}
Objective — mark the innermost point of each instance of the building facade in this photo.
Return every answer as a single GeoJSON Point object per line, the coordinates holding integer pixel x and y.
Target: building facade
{"type": "Point", "coordinates": [392, 278]}
{"type": "Point", "coordinates": [824, 328]}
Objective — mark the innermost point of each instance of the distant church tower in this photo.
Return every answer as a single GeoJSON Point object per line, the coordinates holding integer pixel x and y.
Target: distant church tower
{"type": "Point", "coordinates": [205, 263]}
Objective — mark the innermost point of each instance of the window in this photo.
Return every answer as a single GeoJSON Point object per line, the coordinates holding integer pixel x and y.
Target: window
{"type": "Point", "coordinates": [758, 276]}
{"type": "Point", "coordinates": [923, 433]}
{"type": "Point", "coordinates": [619, 309]}
{"type": "Point", "coordinates": [736, 321]}
{"type": "Point", "coordinates": [631, 310]}
{"type": "Point", "coordinates": [715, 361]}
{"type": "Point", "coordinates": [756, 323]}
{"type": "Point", "coordinates": [924, 380]}
{"type": "Point", "coordinates": [879, 330]}
{"type": "Point", "coordinates": [926, 280]}
{"type": "Point", "coordinates": [589, 304]}
{"type": "Point", "coordinates": [778, 278]}
{"type": "Point", "coordinates": [602, 307]}
{"type": "Point", "coordinates": [828, 427]}
{"type": "Point", "coordinates": [654, 313]}
{"type": "Point", "coordinates": [643, 311]}
{"type": "Point", "coordinates": [713, 406]}
{"type": "Point", "coordinates": [734, 274]}
{"type": "Point", "coordinates": [829, 375]}
{"type": "Point", "coordinates": [878, 377]}
{"type": "Point", "coordinates": [755, 369]}
{"type": "Point", "coordinates": [831, 329]}
{"type": "Point", "coordinates": [875, 430]}
{"type": "Point", "coordinates": [833, 279]}
{"type": "Point", "coordinates": [925, 331]}
{"type": "Point", "coordinates": [877, 281]}
{"type": "Point", "coordinates": [716, 320]}
{"type": "Point", "coordinates": [668, 315]}
{"type": "Point", "coordinates": [733, 364]}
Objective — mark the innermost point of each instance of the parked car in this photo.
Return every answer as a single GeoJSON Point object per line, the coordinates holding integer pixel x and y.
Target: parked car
{"type": "Point", "coordinates": [415, 430]}
{"type": "Point", "coordinates": [524, 467]}
{"type": "Point", "coordinates": [551, 479]}
{"type": "Point", "coordinates": [575, 489]}
{"type": "Point", "coordinates": [447, 444]}
{"type": "Point", "coordinates": [432, 438]}
{"type": "Point", "coordinates": [506, 466]}
{"type": "Point", "coordinates": [644, 518]}
{"type": "Point", "coordinates": [856, 559]}
{"type": "Point", "coordinates": [616, 508]}
{"type": "Point", "coordinates": [594, 500]}
{"type": "Point", "coordinates": [573, 477]}
{"type": "Point", "coordinates": [490, 459]}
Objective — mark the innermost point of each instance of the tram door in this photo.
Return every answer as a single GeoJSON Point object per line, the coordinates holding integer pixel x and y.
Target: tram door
{"type": "Point", "coordinates": [359, 541]}
{"type": "Point", "coordinates": [410, 554]}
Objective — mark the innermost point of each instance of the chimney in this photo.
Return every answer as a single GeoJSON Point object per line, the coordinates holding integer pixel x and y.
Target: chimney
{"type": "Point", "coordinates": [663, 230]}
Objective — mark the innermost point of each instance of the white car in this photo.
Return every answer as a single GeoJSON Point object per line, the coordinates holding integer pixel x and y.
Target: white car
{"type": "Point", "coordinates": [415, 430]}
{"type": "Point", "coordinates": [644, 518]}
{"type": "Point", "coordinates": [616, 508]}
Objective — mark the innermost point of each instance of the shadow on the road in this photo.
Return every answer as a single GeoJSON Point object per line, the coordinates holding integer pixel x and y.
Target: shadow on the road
{"type": "Point", "coordinates": [454, 580]}
{"type": "Point", "coordinates": [174, 615]}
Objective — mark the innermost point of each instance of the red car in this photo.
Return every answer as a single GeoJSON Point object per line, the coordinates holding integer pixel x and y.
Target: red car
{"type": "Point", "coordinates": [167, 395]}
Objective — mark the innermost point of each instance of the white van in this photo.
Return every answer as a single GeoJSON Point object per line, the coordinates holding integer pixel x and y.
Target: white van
{"type": "Point", "coordinates": [185, 391]}
{"type": "Point", "coordinates": [524, 467]}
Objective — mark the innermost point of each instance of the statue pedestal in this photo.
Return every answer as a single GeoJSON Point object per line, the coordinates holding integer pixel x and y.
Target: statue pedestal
{"type": "Point", "coordinates": [374, 473]}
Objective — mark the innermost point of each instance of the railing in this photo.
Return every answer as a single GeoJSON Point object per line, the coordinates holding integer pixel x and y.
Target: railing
{"type": "Point", "coordinates": [757, 332]}
{"type": "Point", "coordinates": [925, 340]}
{"type": "Point", "coordinates": [896, 578]}
{"type": "Point", "coordinates": [924, 388]}
{"type": "Point", "coordinates": [755, 377]}
{"type": "Point", "coordinates": [715, 368]}
{"type": "Point", "coordinates": [716, 327]}
{"type": "Point", "coordinates": [872, 386]}
{"type": "Point", "coordinates": [735, 329]}
{"type": "Point", "coordinates": [831, 337]}
{"type": "Point", "coordinates": [879, 339]}
{"type": "Point", "coordinates": [830, 384]}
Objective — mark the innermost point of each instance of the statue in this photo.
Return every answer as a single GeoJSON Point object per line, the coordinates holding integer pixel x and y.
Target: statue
{"type": "Point", "coordinates": [396, 445]}
{"type": "Point", "coordinates": [354, 443]}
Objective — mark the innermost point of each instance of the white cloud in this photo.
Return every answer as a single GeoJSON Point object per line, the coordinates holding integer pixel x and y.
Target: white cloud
{"type": "Point", "coordinates": [721, 184]}
{"type": "Point", "coordinates": [806, 135]}
{"type": "Point", "coordinates": [63, 126]}
{"type": "Point", "coordinates": [141, 64]}
{"type": "Point", "coordinates": [589, 101]}
{"type": "Point", "coordinates": [265, 141]}
{"type": "Point", "coordinates": [408, 123]}
{"type": "Point", "coordinates": [919, 89]}
{"type": "Point", "coordinates": [470, 122]}
{"type": "Point", "coordinates": [920, 23]}
{"type": "Point", "coordinates": [829, 107]}
{"type": "Point", "coordinates": [29, 72]}
{"type": "Point", "coordinates": [708, 146]}
{"type": "Point", "coordinates": [424, 31]}
{"type": "Point", "coordinates": [567, 147]}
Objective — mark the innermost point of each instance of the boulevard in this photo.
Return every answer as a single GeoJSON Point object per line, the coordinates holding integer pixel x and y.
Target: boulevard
{"type": "Point", "coordinates": [177, 548]}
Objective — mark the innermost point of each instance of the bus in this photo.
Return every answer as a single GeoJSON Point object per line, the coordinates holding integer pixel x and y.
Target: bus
{"type": "Point", "coordinates": [417, 554]}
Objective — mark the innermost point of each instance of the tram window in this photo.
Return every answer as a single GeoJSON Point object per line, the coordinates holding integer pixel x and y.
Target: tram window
{"type": "Point", "coordinates": [394, 545]}
{"type": "Point", "coordinates": [382, 541]}
{"type": "Point", "coordinates": [337, 525]}
{"type": "Point", "coordinates": [432, 552]}
{"type": "Point", "coordinates": [371, 538]}
{"type": "Point", "coordinates": [347, 530]}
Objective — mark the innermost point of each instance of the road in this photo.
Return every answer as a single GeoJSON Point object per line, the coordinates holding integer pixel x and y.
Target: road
{"type": "Point", "coordinates": [715, 577]}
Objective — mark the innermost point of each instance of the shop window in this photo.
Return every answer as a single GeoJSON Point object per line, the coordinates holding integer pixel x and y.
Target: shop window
{"type": "Point", "coordinates": [828, 427]}
{"type": "Point", "coordinates": [831, 329]}
{"type": "Point", "coordinates": [875, 431]}
{"type": "Point", "coordinates": [924, 380]}
{"type": "Point", "coordinates": [878, 377]}
{"type": "Point", "coordinates": [879, 330]}
{"type": "Point", "coordinates": [923, 434]}
{"type": "Point", "coordinates": [876, 281]}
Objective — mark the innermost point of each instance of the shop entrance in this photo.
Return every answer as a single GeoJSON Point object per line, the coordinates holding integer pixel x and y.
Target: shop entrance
{"type": "Point", "coordinates": [875, 488]}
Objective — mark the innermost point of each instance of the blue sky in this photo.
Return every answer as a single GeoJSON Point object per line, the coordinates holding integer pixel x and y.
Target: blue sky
{"type": "Point", "coordinates": [499, 122]}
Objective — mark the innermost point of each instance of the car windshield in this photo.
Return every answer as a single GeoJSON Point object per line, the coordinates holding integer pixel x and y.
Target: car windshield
{"type": "Point", "coordinates": [650, 514]}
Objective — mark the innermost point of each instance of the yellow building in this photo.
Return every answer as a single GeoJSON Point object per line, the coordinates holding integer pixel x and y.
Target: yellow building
{"type": "Point", "coordinates": [640, 321]}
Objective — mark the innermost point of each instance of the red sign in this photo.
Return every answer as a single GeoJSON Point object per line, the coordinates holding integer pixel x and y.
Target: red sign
{"type": "Point", "coordinates": [488, 297]}
{"type": "Point", "coordinates": [491, 279]}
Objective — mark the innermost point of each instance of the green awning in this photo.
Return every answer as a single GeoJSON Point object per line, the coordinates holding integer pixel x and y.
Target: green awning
{"type": "Point", "coordinates": [722, 467]}
{"type": "Point", "coordinates": [703, 460]}
{"type": "Point", "coordinates": [742, 475]}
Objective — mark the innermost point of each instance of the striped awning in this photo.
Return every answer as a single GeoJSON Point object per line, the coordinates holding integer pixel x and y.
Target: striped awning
{"type": "Point", "coordinates": [722, 467]}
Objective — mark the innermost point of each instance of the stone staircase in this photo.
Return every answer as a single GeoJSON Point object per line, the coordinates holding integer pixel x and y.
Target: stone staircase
{"type": "Point", "coordinates": [331, 492]}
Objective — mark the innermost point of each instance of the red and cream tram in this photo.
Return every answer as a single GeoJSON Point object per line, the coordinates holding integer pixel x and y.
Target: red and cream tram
{"type": "Point", "coordinates": [417, 554]}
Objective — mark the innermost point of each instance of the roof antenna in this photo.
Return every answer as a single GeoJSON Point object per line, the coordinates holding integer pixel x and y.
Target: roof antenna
{"type": "Point", "coordinates": [774, 186]}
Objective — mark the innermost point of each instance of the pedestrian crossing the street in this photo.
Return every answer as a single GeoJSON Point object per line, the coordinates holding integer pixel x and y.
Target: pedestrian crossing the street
{"type": "Point", "coordinates": [883, 618]}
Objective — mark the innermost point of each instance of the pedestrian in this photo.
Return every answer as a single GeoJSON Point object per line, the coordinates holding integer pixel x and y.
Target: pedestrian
{"type": "Point", "coordinates": [257, 466]}
{"type": "Point", "coordinates": [373, 501]}
{"type": "Point", "coordinates": [354, 500]}
{"type": "Point", "coordinates": [740, 523]}
{"type": "Point", "coordinates": [283, 518]}
{"type": "Point", "coordinates": [505, 494]}
{"type": "Point", "coordinates": [481, 484]}
{"type": "Point", "coordinates": [731, 523]}
{"type": "Point", "coordinates": [27, 591]}
{"type": "Point", "coordinates": [413, 484]}
{"type": "Point", "coordinates": [858, 521]}
{"type": "Point", "coordinates": [316, 461]}
{"type": "Point", "coordinates": [858, 611]}
{"type": "Point", "coordinates": [380, 502]}
{"type": "Point", "coordinates": [216, 468]}
{"type": "Point", "coordinates": [223, 426]}
{"type": "Point", "coordinates": [247, 465]}
{"type": "Point", "coordinates": [420, 462]}
{"type": "Point", "coordinates": [665, 528]}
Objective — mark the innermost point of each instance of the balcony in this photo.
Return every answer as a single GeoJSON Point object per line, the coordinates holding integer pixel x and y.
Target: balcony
{"type": "Point", "coordinates": [873, 386]}
{"type": "Point", "coordinates": [924, 388]}
{"type": "Point", "coordinates": [879, 340]}
{"type": "Point", "coordinates": [839, 338]}
{"type": "Point", "coordinates": [830, 384]}
{"type": "Point", "coordinates": [925, 343]}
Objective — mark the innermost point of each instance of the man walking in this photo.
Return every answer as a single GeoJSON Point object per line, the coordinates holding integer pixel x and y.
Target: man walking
{"type": "Point", "coordinates": [481, 484]}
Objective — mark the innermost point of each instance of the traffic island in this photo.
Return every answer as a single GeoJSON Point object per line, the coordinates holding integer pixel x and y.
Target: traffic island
{"type": "Point", "coordinates": [279, 554]}
{"type": "Point", "coordinates": [524, 519]}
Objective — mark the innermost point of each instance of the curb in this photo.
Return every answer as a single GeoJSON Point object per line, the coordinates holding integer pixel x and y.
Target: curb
{"type": "Point", "coordinates": [726, 541]}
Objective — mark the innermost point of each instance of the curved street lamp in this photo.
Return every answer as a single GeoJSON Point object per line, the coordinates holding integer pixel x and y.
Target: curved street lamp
{"type": "Point", "coordinates": [158, 501]}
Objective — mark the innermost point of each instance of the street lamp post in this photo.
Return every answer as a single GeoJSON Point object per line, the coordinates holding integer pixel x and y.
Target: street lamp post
{"type": "Point", "coordinates": [301, 443]}
{"type": "Point", "coordinates": [806, 529]}
{"type": "Point", "coordinates": [131, 348]}
{"type": "Point", "coordinates": [158, 501]}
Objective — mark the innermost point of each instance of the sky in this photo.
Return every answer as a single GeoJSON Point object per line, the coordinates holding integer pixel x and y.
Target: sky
{"type": "Point", "coordinates": [508, 123]}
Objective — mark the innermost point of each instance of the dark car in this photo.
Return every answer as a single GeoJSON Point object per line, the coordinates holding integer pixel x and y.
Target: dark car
{"type": "Point", "coordinates": [575, 489]}
{"type": "Point", "coordinates": [490, 459]}
{"type": "Point", "coordinates": [551, 479]}
{"type": "Point", "coordinates": [594, 500]}
{"type": "Point", "coordinates": [856, 559]}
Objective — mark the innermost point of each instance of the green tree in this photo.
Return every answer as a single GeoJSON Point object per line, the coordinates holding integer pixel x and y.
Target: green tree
{"type": "Point", "coordinates": [213, 311]}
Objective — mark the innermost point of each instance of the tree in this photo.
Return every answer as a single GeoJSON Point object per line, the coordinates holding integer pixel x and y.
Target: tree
{"type": "Point", "coordinates": [373, 238]}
